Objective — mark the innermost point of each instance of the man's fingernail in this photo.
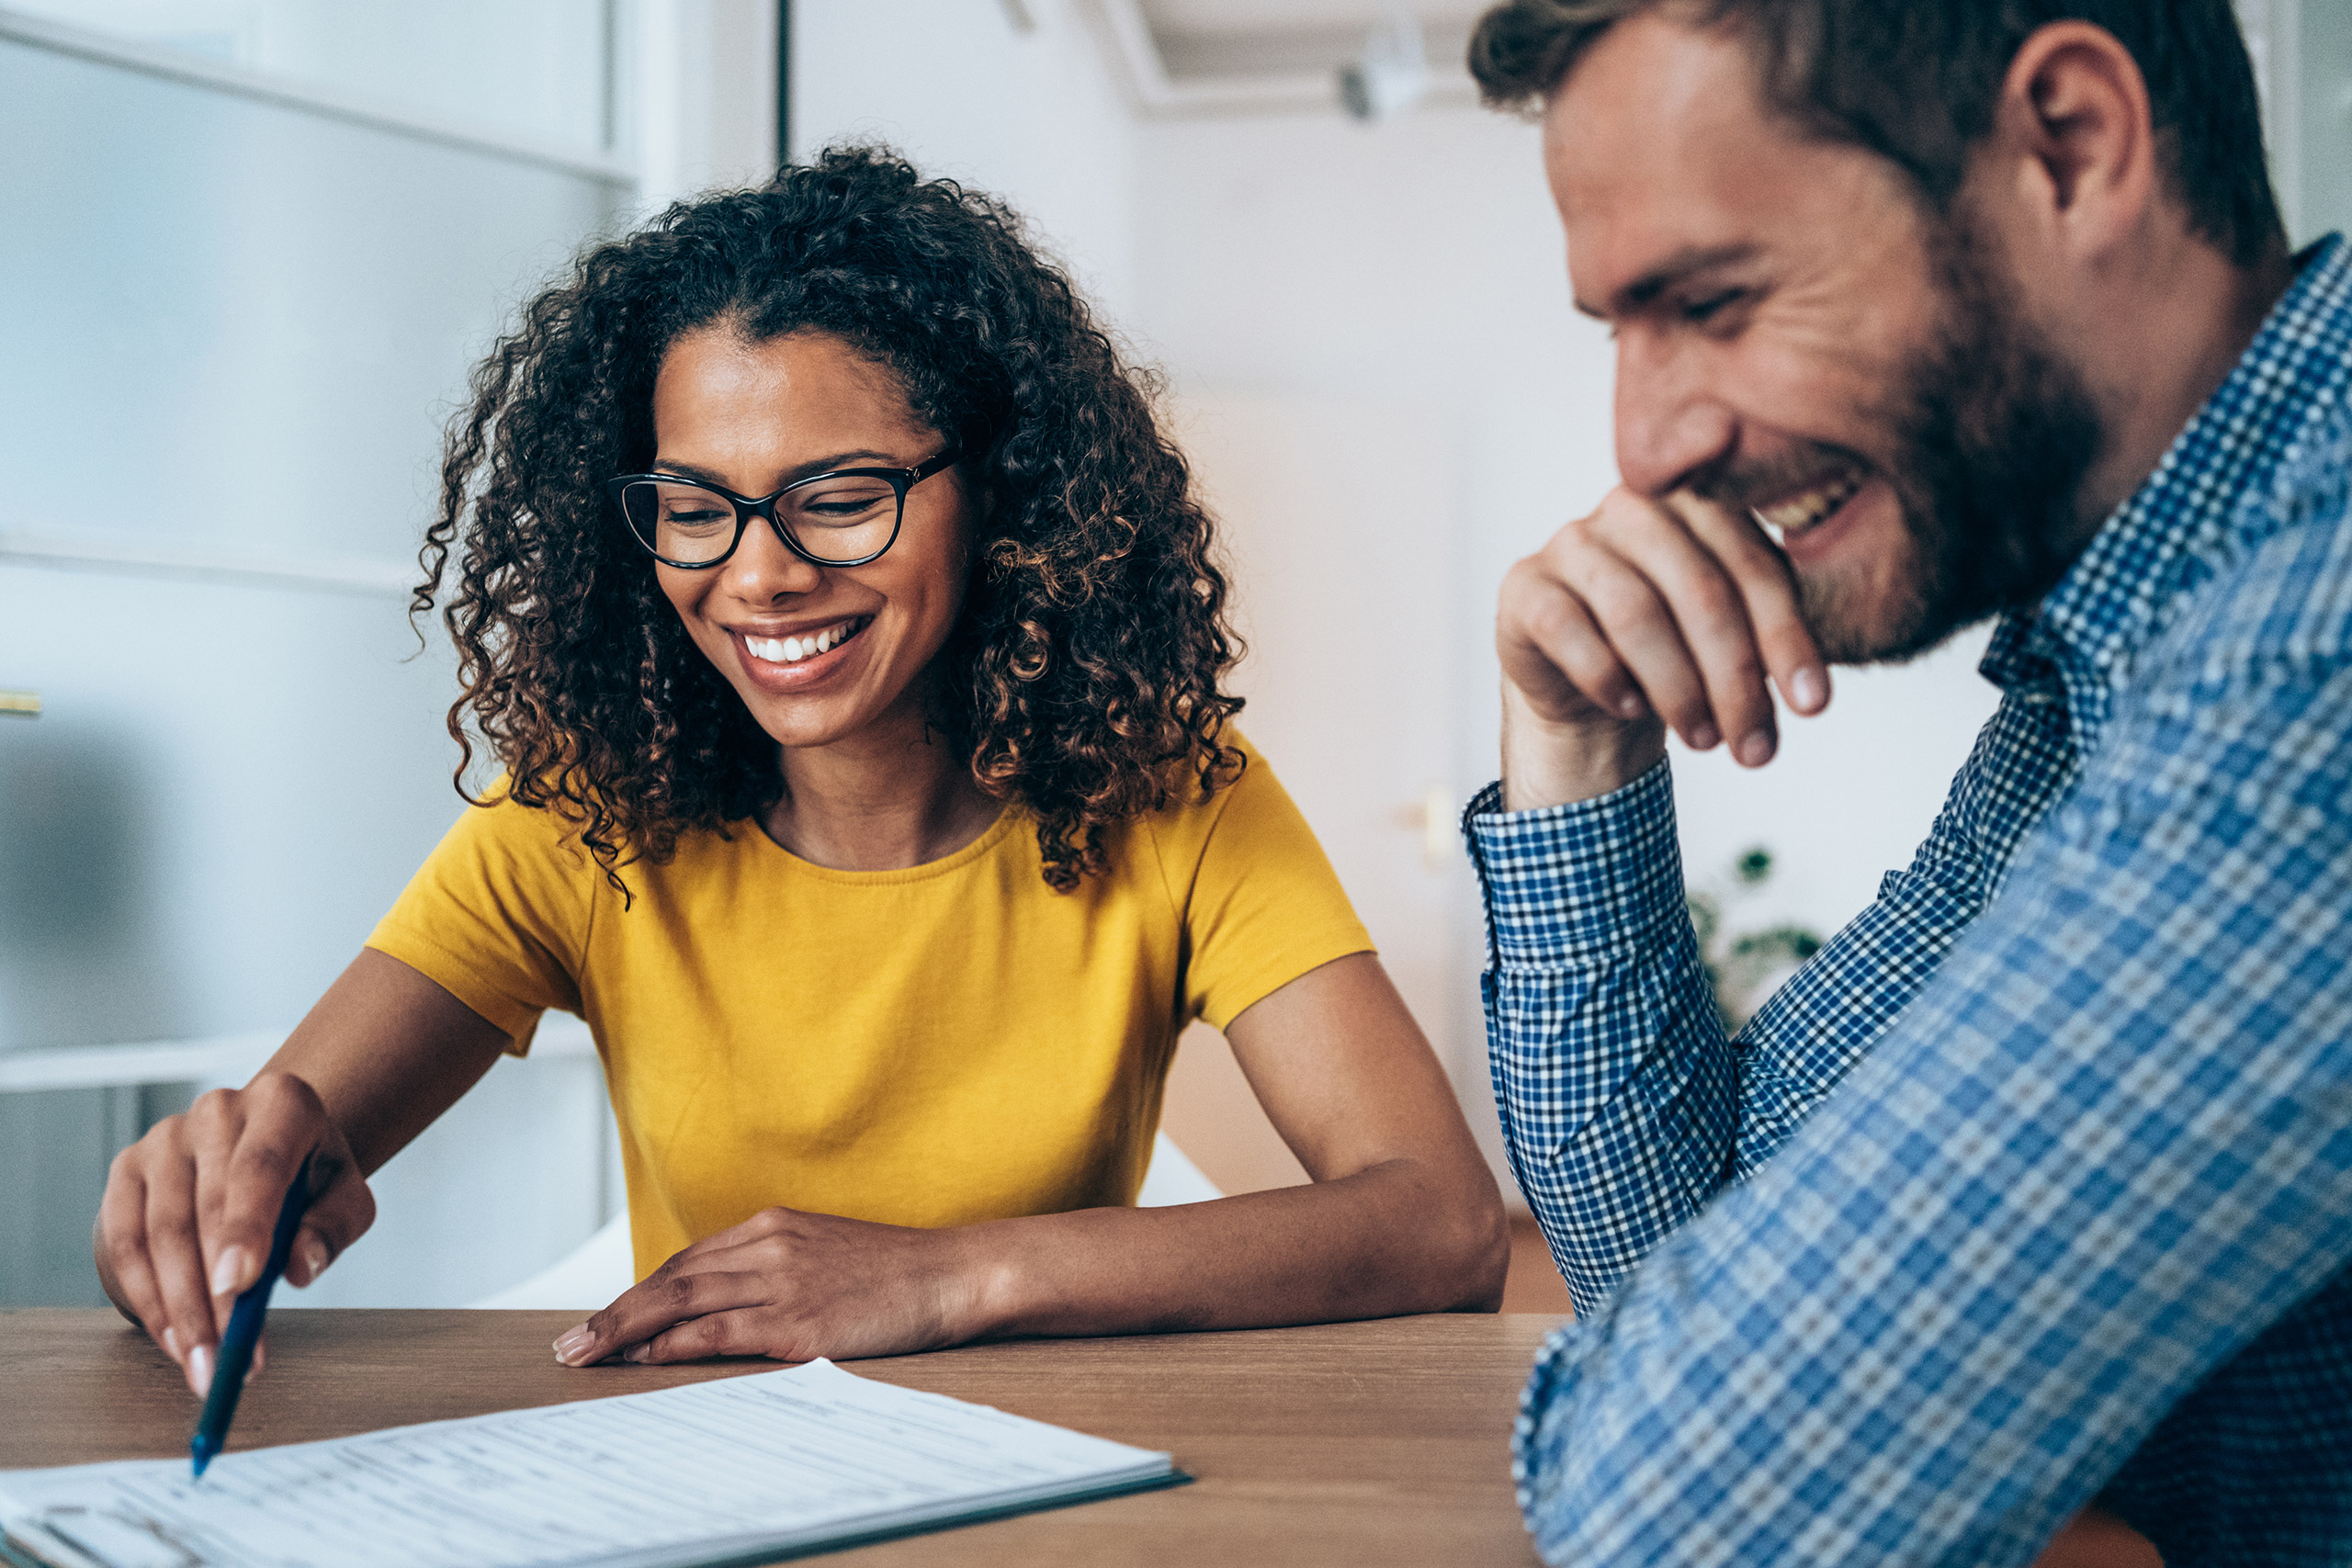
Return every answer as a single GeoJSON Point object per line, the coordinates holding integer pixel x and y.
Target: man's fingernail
{"type": "Point", "coordinates": [572, 1342]}
{"type": "Point", "coordinates": [228, 1271]}
{"type": "Point", "coordinates": [199, 1369]}
{"type": "Point", "coordinates": [1809, 688]}
{"type": "Point", "coordinates": [1754, 749]}
{"type": "Point", "coordinates": [635, 1353]}
{"type": "Point", "coordinates": [316, 1256]}
{"type": "Point", "coordinates": [1704, 737]}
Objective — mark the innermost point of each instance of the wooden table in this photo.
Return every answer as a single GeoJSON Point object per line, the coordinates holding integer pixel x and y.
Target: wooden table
{"type": "Point", "coordinates": [1353, 1443]}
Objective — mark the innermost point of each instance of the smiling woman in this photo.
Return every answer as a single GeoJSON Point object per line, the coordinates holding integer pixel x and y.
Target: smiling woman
{"type": "Point", "coordinates": [853, 648]}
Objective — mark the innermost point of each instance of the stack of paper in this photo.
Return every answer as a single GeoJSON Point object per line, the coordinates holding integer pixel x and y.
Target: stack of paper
{"type": "Point", "coordinates": [740, 1469]}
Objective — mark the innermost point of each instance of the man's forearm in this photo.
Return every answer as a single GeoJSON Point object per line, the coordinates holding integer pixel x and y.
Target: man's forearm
{"type": "Point", "coordinates": [1617, 1090]}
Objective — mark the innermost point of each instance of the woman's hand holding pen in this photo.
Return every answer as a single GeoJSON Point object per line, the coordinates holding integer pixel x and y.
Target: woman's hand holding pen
{"type": "Point", "coordinates": [792, 1286]}
{"type": "Point", "coordinates": [184, 1225]}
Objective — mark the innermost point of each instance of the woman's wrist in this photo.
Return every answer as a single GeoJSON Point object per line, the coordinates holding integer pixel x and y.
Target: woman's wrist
{"type": "Point", "coordinates": [983, 1292]}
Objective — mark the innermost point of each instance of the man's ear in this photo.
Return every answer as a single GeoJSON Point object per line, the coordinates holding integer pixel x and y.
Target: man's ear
{"type": "Point", "coordinates": [2074, 125]}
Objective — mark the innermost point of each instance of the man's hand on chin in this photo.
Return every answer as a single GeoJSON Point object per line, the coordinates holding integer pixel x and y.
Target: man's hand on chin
{"type": "Point", "coordinates": [1646, 616]}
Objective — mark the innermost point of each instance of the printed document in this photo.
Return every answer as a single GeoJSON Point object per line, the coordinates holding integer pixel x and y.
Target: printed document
{"type": "Point", "coordinates": [724, 1470]}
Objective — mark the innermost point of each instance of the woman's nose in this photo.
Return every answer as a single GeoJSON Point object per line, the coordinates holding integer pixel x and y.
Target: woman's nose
{"type": "Point", "coordinates": [765, 569]}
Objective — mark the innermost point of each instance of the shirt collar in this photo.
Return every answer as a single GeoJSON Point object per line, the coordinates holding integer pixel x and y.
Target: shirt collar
{"type": "Point", "coordinates": [2169, 534]}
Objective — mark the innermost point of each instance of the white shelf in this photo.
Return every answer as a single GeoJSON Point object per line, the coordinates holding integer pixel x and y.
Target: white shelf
{"type": "Point", "coordinates": [226, 1056]}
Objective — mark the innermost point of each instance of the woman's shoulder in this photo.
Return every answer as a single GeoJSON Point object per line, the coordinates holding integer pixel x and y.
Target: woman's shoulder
{"type": "Point", "coordinates": [535, 824]}
{"type": "Point", "coordinates": [1242, 808]}
{"type": "Point", "coordinates": [538, 836]}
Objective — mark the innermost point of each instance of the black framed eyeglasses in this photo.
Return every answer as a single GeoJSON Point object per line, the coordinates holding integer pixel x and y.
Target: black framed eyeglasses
{"type": "Point", "coordinates": [847, 517]}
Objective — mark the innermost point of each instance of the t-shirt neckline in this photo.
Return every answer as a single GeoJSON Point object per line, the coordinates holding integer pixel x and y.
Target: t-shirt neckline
{"type": "Point", "coordinates": [979, 849]}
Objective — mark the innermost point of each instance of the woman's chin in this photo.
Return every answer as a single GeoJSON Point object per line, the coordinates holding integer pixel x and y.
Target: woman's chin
{"type": "Point", "coordinates": [806, 724]}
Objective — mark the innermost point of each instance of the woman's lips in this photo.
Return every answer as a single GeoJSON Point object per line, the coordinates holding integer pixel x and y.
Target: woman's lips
{"type": "Point", "coordinates": [791, 675]}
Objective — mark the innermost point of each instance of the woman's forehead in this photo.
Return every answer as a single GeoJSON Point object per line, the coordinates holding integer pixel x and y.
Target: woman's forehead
{"type": "Point", "coordinates": [734, 399]}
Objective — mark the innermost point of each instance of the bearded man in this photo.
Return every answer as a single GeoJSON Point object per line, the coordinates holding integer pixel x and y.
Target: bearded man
{"type": "Point", "coordinates": [2031, 1193]}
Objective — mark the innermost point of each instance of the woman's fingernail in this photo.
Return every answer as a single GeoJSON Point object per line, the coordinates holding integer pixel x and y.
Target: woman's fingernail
{"type": "Point", "coordinates": [1630, 706]}
{"type": "Point", "coordinates": [199, 1369]}
{"type": "Point", "coordinates": [171, 1343]}
{"type": "Point", "coordinates": [1754, 749]}
{"type": "Point", "coordinates": [1703, 739]}
{"type": "Point", "coordinates": [1809, 688]}
{"type": "Point", "coordinates": [572, 1342]}
{"type": "Point", "coordinates": [316, 1256]}
{"type": "Point", "coordinates": [228, 1271]}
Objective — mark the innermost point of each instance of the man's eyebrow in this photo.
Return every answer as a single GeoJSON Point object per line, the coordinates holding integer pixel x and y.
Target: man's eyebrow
{"type": "Point", "coordinates": [862, 458]}
{"type": "Point", "coordinates": [1645, 289]}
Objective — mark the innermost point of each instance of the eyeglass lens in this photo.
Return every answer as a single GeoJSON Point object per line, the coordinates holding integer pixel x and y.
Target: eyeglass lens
{"type": "Point", "coordinates": [841, 517]}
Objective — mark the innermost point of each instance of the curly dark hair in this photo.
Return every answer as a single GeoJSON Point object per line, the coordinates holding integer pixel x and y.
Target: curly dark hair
{"type": "Point", "coordinates": [1093, 640]}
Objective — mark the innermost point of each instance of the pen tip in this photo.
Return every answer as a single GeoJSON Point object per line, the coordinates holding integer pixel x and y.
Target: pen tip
{"type": "Point", "coordinates": [199, 1455]}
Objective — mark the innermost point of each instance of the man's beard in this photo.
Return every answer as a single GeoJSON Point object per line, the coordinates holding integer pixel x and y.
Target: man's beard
{"type": "Point", "coordinates": [1992, 432]}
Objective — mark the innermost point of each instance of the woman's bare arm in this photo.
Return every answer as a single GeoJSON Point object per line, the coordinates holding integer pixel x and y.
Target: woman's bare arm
{"type": "Point", "coordinates": [186, 1222]}
{"type": "Point", "coordinates": [1403, 1216]}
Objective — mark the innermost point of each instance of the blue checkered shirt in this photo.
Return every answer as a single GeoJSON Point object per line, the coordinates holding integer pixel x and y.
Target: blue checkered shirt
{"type": "Point", "coordinates": [2034, 1185]}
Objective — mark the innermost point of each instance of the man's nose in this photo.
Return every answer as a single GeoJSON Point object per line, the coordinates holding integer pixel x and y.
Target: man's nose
{"type": "Point", "coordinates": [763, 568]}
{"type": "Point", "coordinates": [1670, 426]}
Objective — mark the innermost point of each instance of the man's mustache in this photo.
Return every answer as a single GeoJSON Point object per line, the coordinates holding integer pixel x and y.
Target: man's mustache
{"type": "Point", "coordinates": [1750, 486]}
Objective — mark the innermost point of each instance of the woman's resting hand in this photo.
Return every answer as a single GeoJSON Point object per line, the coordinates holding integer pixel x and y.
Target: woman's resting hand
{"type": "Point", "coordinates": [792, 1286]}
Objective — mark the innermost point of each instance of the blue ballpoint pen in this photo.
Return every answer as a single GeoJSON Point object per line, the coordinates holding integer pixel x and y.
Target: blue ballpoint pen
{"type": "Point", "coordinates": [236, 1352]}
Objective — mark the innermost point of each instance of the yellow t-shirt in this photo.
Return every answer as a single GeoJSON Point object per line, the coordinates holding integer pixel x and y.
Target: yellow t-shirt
{"type": "Point", "coordinates": [934, 1046]}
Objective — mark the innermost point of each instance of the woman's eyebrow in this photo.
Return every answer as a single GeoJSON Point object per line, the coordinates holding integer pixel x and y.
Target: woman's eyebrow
{"type": "Point", "coordinates": [792, 476]}
{"type": "Point", "coordinates": [863, 455]}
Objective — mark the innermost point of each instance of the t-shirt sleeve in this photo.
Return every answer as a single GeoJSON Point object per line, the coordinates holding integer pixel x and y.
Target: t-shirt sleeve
{"type": "Point", "coordinates": [497, 916]}
{"type": "Point", "coordinates": [1259, 901]}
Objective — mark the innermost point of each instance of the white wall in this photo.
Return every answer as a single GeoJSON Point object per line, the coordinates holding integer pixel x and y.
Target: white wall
{"type": "Point", "coordinates": [1034, 115]}
{"type": "Point", "coordinates": [697, 91]}
{"type": "Point", "coordinates": [2302, 63]}
{"type": "Point", "coordinates": [1307, 257]}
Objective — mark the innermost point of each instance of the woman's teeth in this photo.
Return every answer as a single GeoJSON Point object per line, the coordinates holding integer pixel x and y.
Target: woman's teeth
{"type": "Point", "coordinates": [1801, 512]}
{"type": "Point", "coordinates": [793, 649]}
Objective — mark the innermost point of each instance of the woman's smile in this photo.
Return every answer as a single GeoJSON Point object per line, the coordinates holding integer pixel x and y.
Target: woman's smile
{"type": "Point", "coordinates": [794, 662]}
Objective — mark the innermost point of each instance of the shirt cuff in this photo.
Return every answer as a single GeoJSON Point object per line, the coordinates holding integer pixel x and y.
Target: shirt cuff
{"type": "Point", "coordinates": [1572, 883]}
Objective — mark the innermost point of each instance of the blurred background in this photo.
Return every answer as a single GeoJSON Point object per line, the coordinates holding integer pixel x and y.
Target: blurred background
{"type": "Point", "coordinates": [250, 248]}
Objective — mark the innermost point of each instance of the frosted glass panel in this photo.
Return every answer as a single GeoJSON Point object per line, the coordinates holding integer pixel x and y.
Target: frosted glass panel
{"type": "Point", "coordinates": [227, 787]}
{"type": "Point", "coordinates": [534, 66]}
{"type": "Point", "coordinates": [246, 321]}
{"type": "Point", "coordinates": [233, 330]}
